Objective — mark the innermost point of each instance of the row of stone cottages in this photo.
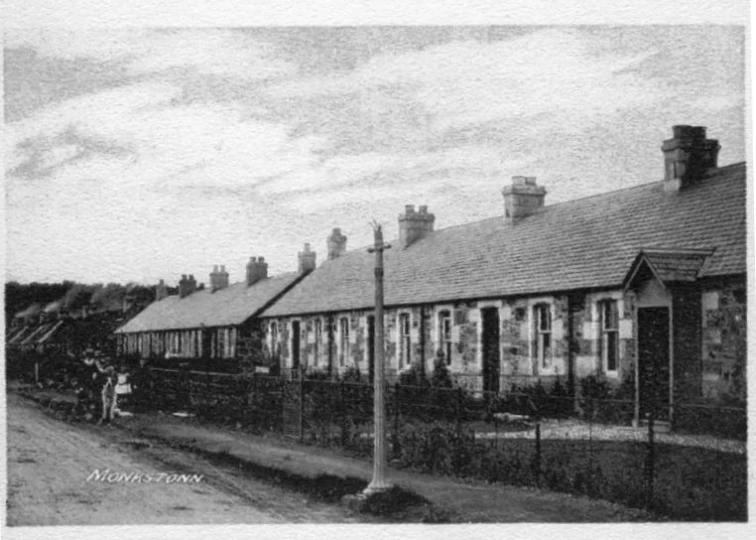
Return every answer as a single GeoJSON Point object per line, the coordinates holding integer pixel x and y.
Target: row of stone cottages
{"type": "Point", "coordinates": [646, 283]}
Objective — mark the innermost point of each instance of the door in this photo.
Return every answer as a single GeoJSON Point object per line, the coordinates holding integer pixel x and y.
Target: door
{"type": "Point", "coordinates": [295, 345]}
{"type": "Point", "coordinates": [653, 362]}
{"type": "Point", "coordinates": [371, 347]}
{"type": "Point", "coordinates": [491, 354]}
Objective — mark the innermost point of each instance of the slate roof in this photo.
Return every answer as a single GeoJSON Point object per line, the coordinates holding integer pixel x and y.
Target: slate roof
{"type": "Point", "coordinates": [40, 330]}
{"type": "Point", "coordinates": [226, 307]}
{"type": "Point", "coordinates": [50, 332]}
{"type": "Point", "coordinates": [675, 265]}
{"type": "Point", "coordinates": [585, 243]}
{"type": "Point", "coordinates": [16, 338]}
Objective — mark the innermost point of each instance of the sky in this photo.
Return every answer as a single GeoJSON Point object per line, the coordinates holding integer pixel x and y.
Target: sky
{"type": "Point", "coordinates": [139, 154]}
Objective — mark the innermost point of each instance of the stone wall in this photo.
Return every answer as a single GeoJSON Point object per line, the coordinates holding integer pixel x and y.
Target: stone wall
{"type": "Point", "coordinates": [576, 337]}
{"type": "Point", "coordinates": [724, 341]}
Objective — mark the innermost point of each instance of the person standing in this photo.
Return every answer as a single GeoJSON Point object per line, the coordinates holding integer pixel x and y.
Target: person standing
{"type": "Point", "coordinates": [122, 390]}
{"type": "Point", "coordinates": [106, 382]}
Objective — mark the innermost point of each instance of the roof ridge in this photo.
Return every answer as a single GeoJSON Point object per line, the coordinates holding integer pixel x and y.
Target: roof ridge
{"type": "Point", "coordinates": [562, 203]}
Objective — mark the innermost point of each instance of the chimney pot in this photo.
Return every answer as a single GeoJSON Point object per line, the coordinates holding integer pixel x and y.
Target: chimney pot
{"type": "Point", "coordinates": [336, 244]}
{"type": "Point", "coordinates": [257, 269]}
{"type": "Point", "coordinates": [161, 291]}
{"type": "Point", "coordinates": [187, 285]}
{"type": "Point", "coordinates": [218, 278]}
{"type": "Point", "coordinates": [414, 226]}
{"type": "Point", "coordinates": [307, 260]}
{"type": "Point", "coordinates": [522, 198]}
{"type": "Point", "coordinates": [687, 156]}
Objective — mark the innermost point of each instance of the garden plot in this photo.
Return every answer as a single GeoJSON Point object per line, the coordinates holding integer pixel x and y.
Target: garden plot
{"type": "Point", "coordinates": [581, 430]}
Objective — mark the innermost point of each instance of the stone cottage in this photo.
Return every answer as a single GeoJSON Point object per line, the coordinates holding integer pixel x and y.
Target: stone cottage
{"type": "Point", "coordinates": [644, 285]}
{"type": "Point", "coordinates": [213, 326]}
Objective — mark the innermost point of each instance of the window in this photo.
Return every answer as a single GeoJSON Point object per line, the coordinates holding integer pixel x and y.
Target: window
{"type": "Point", "coordinates": [273, 339]}
{"type": "Point", "coordinates": [542, 316]}
{"type": "Point", "coordinates": [295, 344]}
{"type": "Point", "coordinates": [318, 339]}
{"type": "Point", "coordinates": [344, 340]}
{"type": "Point", "coordinates": [404, 340]}
{"type": "Point", "coordinates": [609, 319]}
{"type": "Point", "coordinates": [445, 335]}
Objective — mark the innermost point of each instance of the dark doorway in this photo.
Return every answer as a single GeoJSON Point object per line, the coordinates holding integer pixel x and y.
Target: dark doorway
{"type": "Point", "coordinates": [295, 345]}
{"type": "Point", "coordinates": [371, 347]}
{"type": "Point", "coordinates": [205, 336]}
{"type": "Point", "coordinates": [491, 355]}
{"type": "Point", "coordinates": [653, 362]}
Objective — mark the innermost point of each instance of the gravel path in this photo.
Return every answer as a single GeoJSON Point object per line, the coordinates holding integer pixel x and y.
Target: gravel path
{"type": "Point", "coordinates": [49, 463]}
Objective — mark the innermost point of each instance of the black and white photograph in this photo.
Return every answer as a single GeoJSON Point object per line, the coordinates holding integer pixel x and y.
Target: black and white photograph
{"type": "Point", "coordinates": [383, 273]}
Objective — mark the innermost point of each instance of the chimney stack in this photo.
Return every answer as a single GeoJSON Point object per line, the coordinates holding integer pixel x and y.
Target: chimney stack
{"type": "Point", "coordinates": [687, 156]}
{"type": "Point", "coordinates": [522, 198]}
{"type": "Point", "coordinates": [218, 278]}
{"type": "Point", "coordinates": [306, 260]}
{"type": "Point", "coordinates": [187, 285]}
{"type": "Point", "coordinates": [161, 291]}
{"type": "Point", "coordinates": [257, 269]}
{"type": "Point", "coordinates": [336, 244]}
{"type": "Point", "coordinates": [414, 226]}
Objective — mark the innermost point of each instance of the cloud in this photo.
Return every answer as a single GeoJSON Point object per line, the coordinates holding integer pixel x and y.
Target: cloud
{"type": "Point", "coordinates": [158, 141]}
{"type": "Point", "coordinates": [349, 175]}
{"type": "Point", "coordinates": [228, 53]}
{"type": "Point", "coordinates": [463, 83]}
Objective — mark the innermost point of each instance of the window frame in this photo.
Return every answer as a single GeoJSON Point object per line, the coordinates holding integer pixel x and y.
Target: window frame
{"type": "Point", "coordinates": [404, 338]}
{"type": "Point", "coordinates": [273, 329]}
{"type": "Point", "coordinates": [605, 332]}
{"type": "Point", "coordinates": [445, 342]}
{"type": "Point", "coordinates": [539, 333]}
{"type": "Point", "coordinates": [318, 332]}
{"type": "Point", "coordinates": [343, 340]}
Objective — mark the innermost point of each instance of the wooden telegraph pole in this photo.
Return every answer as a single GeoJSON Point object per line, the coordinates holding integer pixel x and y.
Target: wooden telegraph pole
{"type": "Point", "coordinates": [379, 482]}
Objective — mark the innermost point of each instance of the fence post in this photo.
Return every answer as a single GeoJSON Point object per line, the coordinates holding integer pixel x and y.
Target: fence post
{"type": "Point", "coordinates": [537, 462]}
{"type": "Point", "coordinates": [459, 410]}
{"type": "Point", "coordinates": [301, 405]}
{"type": "Point", "coordinates": [459, 443]}
{"type": "Point", "coordinates": [650, 463]}
{"type": "Point", "coordinates": [591, 417]}
{"type": "Point", "coordinates": [283, 404]}
{"type": "Point", "coordinates": [397, 407]}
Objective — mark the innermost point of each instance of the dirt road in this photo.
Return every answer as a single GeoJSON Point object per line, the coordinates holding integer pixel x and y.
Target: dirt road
{"type": "Point", "coordinates": [79, 474]}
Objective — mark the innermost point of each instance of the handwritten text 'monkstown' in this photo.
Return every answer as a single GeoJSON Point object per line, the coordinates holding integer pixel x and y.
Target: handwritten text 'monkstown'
{"type": "Point", "coordinates": [113, 477]}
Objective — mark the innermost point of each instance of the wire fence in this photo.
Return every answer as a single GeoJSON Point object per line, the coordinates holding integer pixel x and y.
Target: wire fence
{"type": "Point", "coordinates": [577, 445]}
{"type": "Point", "coordinates": [688, 463]}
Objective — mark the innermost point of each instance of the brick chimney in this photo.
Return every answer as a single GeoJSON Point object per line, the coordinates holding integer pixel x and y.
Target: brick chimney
{"type": "Point", "coordinates": [336, 244]}
{"type": "Point", "coordinates": [161, 291]}
{"type": "Point", "coordinates": [522, 198]}
{"type": "Point", "coordinates": [687, 156]}
{"type": "Point", "coordinates": [187, 285]}
{"type": "Point", "coordinates": [218, 278]}
{"type": "Point", "coordinates": [257, 269]}
{"type": "Point", "coordinates": [306, 260]}
{"type": "Point", "coordinates": [414, 226]}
